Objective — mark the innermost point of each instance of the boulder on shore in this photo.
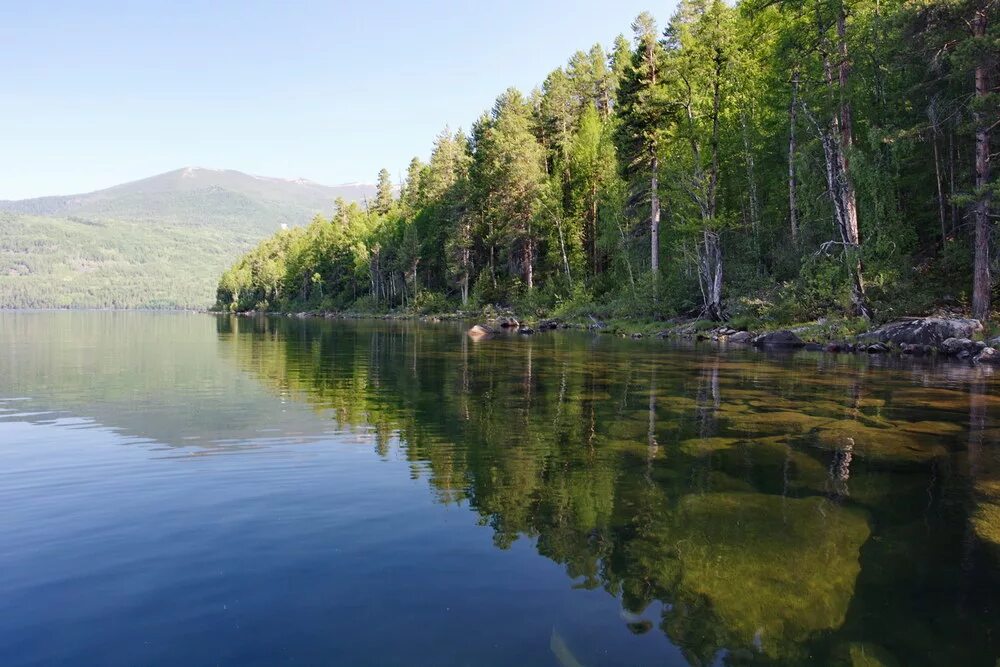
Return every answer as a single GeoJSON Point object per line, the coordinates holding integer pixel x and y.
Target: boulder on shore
{"type": "Point", "coordinates": [960, 347]}
{"type": "Point", "coordinates": [988, 355]}
{"type": "Point", "coordinates": [480, 331]}
{"type": "Point", "coordinates": [924, 331]}
{"type": "Point", "coordinates": [782, 338]}
{"type": "Point", "coordinates": [507, 323]}
{"type": "Point", "coordinates": [742, 337]}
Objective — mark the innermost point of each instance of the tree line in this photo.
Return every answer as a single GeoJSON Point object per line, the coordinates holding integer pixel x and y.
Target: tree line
{"type": "Point", "coordinates": [776, 159]}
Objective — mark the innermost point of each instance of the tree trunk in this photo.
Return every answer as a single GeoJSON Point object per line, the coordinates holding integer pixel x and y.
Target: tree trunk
{"type": "Point", "coordinates": [793, 215]}
{"type": "Point", "coordinates": [951, 179]}
{"type": "Point", "coordinates": [836, 143]}
{"type": "Point", "coordinates": [562, 250]}
{"type": "Point", "coordinates": [710, 265]}
{"type": "Point", "coordinates": [940, 189]}
{"type": "Point", "coordinates": [981, 283]}
{"type": "Point", "coordinates": [593, 224]}
{"type": "Point", "coordinates": [654, 217]}
{"type": "Point", "coordinates": [846, 130]}
{"type": "Point", "coordinates": [529, 273]}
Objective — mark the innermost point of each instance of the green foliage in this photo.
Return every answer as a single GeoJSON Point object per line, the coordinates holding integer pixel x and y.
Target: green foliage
{"type": "Point", "coordinates": [751, 132]}
{"type": "Point", "coordinates": [430, 303]}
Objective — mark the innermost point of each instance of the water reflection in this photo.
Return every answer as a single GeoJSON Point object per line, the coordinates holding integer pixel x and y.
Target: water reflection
{"type": "Point", "coordinates": [751, 508]}
{"type": "Point", "coordinates": [768, 509]}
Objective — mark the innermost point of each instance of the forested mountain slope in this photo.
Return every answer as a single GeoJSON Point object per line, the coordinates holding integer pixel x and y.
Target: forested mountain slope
{"type": "Point", "coordinates": [768, 160]}
{"type": "Point", "coordinates": [158, 242]}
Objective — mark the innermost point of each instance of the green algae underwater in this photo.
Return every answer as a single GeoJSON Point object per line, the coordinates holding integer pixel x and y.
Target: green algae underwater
{"type": "Point", "coordinates": [783, 509]}
{"type": "Point", "coordinates": [743, 507]}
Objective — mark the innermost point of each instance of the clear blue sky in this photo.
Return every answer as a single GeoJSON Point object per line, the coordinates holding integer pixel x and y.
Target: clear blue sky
{"type": "Point", "coordinates": [97, 93]}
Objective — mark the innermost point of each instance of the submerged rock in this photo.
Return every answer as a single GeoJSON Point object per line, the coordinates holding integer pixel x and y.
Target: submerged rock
{"type": "Point", "coordinates": [916, 349]}
{"type": "Point", "coordinates": [924, 330]}
{"type": "Point", "coordinates": [525, 331]}
{"type": "Point", "coordinates": [772, 571]}
{"type": "Point", "coordinates": [480, 331]}
{"type": "Point", "coordinates": [782, 338]}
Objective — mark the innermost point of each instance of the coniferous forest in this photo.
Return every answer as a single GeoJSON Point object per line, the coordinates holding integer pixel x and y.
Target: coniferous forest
{"type": "Point", "coordinates": [776, 161]}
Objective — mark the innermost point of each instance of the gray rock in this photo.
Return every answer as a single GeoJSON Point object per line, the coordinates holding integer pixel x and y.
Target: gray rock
{"type": "Point", "coordinates": [988, 355]}
{"type": "Point", "coordinates": [636, 335]}
{"type": "Point", "coordinates": [924, 331]}
{"type": "Point", "coordinates": [877, 348]}
{"type": "Point", "coordinates": [778, 339]}
{"type": "Point", "coordinates": [915, 349]}
{"type": "Point", "coordinates": [741, 337]}
{"type": "Point", "coordinates": [525, 331]}
{"type": "Point", "coordinates": [507, 323]}
{"type": "Point", "coordinates": [955, 347]}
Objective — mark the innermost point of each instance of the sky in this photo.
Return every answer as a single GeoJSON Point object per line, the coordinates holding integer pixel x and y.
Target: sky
{"type": "Point", "coordinates": [99, 93]}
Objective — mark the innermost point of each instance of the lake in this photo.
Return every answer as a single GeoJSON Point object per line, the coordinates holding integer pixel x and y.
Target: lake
{"type": "Point", "coordinates": [186, 489]}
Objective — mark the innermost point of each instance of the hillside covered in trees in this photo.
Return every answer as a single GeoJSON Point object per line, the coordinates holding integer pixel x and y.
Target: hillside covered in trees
{"type": "Point", "coordinates": [775, 160]}
{"type": "Point", "coordinates": [159, 242]}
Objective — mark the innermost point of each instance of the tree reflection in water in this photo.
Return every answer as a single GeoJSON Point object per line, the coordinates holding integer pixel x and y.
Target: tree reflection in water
{"type": "Point", "coordinates": [776, 510]}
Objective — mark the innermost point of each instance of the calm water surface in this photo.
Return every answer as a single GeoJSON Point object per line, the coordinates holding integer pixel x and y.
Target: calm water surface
{"type": "Point", "coordinates": [180, 489]}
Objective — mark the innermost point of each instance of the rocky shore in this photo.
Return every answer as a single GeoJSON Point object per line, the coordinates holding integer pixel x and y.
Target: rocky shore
{"type": "Point", "coordinates": [942, 336]}
{"type": "Point", "coordinates": [953, 337]}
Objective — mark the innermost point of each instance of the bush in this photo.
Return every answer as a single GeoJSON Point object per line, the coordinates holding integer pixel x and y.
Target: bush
{"type": "Point", "coordinates": [486, 293]}
{"type": "Point", "coordinates": [428, 303]}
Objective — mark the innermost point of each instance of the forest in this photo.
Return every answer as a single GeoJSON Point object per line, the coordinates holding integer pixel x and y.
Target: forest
{"type": "Point", "coordinates": [774, 161]}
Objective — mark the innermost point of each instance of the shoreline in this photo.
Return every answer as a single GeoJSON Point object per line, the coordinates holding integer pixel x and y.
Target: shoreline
{"type": "Point", "coordinates": [945, 336]}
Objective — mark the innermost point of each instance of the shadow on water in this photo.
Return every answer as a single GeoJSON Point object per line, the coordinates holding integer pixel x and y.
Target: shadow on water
{"type": "Point", "coordinates": [772, 508]}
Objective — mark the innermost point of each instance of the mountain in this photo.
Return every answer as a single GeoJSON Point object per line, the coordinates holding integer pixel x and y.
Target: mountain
{"type": "Point", "coordinates": [158, 242]}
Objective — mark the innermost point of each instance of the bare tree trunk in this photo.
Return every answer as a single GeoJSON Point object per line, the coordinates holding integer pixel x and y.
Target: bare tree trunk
{"type": "Point", "coordinates": [846, 129]}
{"type": "Point", "coordinates": [836, 143]}
{"type": "Point", "coordinates": [593, 224]}
{"type": "Point", "coordinates": [654, 217]}
{"type": "Point", "coordinates": [793, 208]}
{"type": "Point", "coordinates": [710, 267]}
{"type": "Point", "coordinates": [529, 273]}
{"type": "Point", "coordinates": [981, 283]}
{"type": "Point", "coordinates": [940, 189]}
{"type": "Point", "coordinates": [562, 250]}
{"type": "Point", "coordinates": [951, 179]}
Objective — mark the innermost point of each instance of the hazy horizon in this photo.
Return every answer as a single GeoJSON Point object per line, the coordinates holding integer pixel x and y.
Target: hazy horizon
{"type": "Point", "coordinates": [313, 91]}
{"type": "Point", "coordinates": [197, 167]}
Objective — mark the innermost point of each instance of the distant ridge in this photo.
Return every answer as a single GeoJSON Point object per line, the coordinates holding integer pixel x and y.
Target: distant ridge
{"type": "Point", "coordinates": [308, 196]}
{"type": "Point", "coordinates": [158, 242]}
